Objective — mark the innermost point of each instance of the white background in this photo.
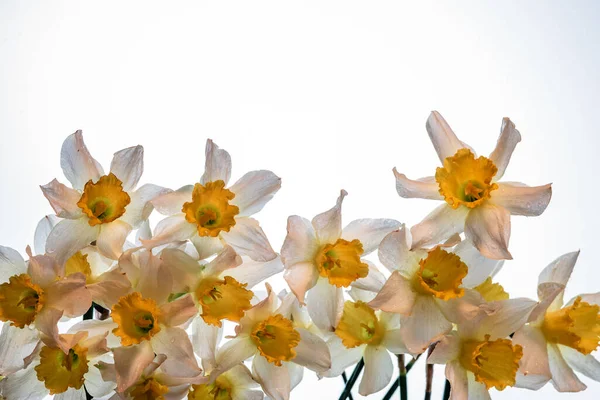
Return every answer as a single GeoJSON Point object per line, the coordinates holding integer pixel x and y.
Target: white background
{"type": "Point", "coordinates": [328, 95]}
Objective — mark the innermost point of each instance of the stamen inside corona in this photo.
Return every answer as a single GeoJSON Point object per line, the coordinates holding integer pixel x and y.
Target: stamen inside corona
{"type": "Point", "coordinates": [223, 299]}
{"type": "Point", "coordinates": [210, 209]}
{"type": "Point", "coordinates": [441, 274]}
{"type": "Point", "coordinates": [465, 179]}
{"type": "Point", "coordinates": [494, 363]}
{"type": "Point", "coordinates": [359, 325]}
{"type": "Point", "coordinates": [104, 201]}
{"type": "Point", "coordinates": [137, 319]}
{"type": "Point", "coordinates": [576, 326]}
{"type": "Point", "coordinates": [60, 371]}
{"type": "Point", "coordinates": [148, 389]}
{"type": "Point", "coordinates": [20, 300]}
{"type": "Point", "coordinates": [220, 390]}
{"type": "Point", "coordinates": [340, 262]}
{"type": "Point", "coordinates": [491, 291]}
{"type": "Point", "coordinates": [275, 338]}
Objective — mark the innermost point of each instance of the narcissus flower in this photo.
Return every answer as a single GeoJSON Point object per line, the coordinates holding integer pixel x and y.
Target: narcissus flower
{"type": "Point", "coordinates": [98, 208]}
{"type": "Point", "coordinates": [280, 348]}
{"type": "Point", "coordinates": [560, 337]}
{"type": "Point", "coordinates": [480, 355]}
{"type": "Point", "coordinates": [475, 201]}
{"type": "Point", "coordinates": [364, 332]}
{"type": "Point", "coordinates": [211, 214]}
{"type": "Point", "coordinates": [432, 289]}
{"type": "Point", "coordinates": [321, 258]}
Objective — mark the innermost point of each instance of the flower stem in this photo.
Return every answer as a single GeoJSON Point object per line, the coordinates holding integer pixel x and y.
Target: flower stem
{"type": "Point", "coordinates": [396, 383]}
{"type": "Point", "coordinates": [429, 376]}
{"type": "Point", "coordinates": [345, 378]}
{"type": "Point", "coordinates": [353, 379]}
{"type": "Point", "coordinates": [447, 390]}
{"type": "Point", "coordinates": [402, 382]}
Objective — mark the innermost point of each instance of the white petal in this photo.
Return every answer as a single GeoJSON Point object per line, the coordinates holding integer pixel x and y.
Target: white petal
{"type": "Point", "coordinates": [444, 140]}
{"type": "Point", "coordinates": [69, 295]}
{"type": "Point", "coordinates": [328, 225]}
{"type": "Point", "coordinates": [424, 188]}
{"type": "Point", "coordinates": [378, 370]}
{"type": "Point", "coordinates": [312, 352]}
{"type": "Point", "coordinates": [520, 199]}
{"type": "Point", "coordinates": [233, 353]}
{"type": "Point", "coordinates": [296, 374]}
{"type": "Point", "coordinates": [274, 380]}
{"type": "Point", "coordinates": [535, 352]}
{"type": "Point", "coordinates": [394, 250]}
{"type": "Point", "coordinates": [477, 391]}
{"type": "Point", "coordinates": [62, 199]}
{"type": "Point", "coordinates": [69, 236]}
{"type": "Point", "coordinates": [254, 190]}
{"type": "Point", "coordinates": [140, 207]}
{"type": "Point", "coordinates": [261, 310]}
{"type": "Point", "coordinates": [591, 298]}
{"type": "Point", "coordinates": [23, 385]}
{"type": "Point", "coordinates": [374, 280]}
{"type": "Point", "coordinates": [586, 364]}
{"type": "Point", "coordinates": [130, 362]}
{"type": "Point", "coordinates": [156, 280]}
{"type": "Point", "coordinates": [172, 202]}
{"type": "Point", "coordinates": [447, 350]}
{"type": "Point", "coordinates": [342, 357]}
{"type": "Point", "coordinates": [109, 288]}
{"type": "Point", "coordinates": [43, 269]}
{"type": "Point", "coordinates": [128, 165]}
{"type": "Point", "coordinates": [425, 325]}
{"type": "Point", "coordinates": [77, 163]}
{"type": "Point", "coordinates": [502, 319]}
{"type": "Point", "coordinates": [226, 259]}
{"type": "Point", "coordinates": [241, 377]}
{"type": "Point", "coordinates": [551, 298]}
{"type": "Point", "coordinates": [531, 382]}
{"type": "Point", "coordinates": [248, 239]}
{"type": "Point", "coordinates": [395, 296]}
{"type": "Point", "coordinates": [507, 141]}
{"type": "Point", "coordinates": [94, 384]}
{"type": "Point", "coordinates": [488, 227]}
{"type": "Point", "coordinates": [15, 345]}
{"type": "Point", "coordinates": [175, 344]}
{"type": "Point", "coordinates": [325, 305]}
{"type": "Point", "coordinates": [563, 377]}
{"type": "Point", "coordinates": [179, 311]}
{"type": "Point", "coordinates": [253, 272]}
{"type": "Point", "coordinates": [461, 309]}
{"type": "Point", "coordinates": [71, 394]}
{"type": "Point", "coordinates": [559, 270]}
{"type": "Point", "coordinates": [217, 165]}
{"type": "Point", "coordinates": [480, 267]}
{"type": "Point", "coordinates": [300, 243]}
{"type": "Point", "coordinates": [393, 342]}
{"type": "Point", "coordinates": [11, 263]}
{"type": "Point", "coordinates": [369, 231]}
{"type": "Point", "coordinates": [42, 230]}
{"type": "Point", "coordinates": [459, 383]}
{"type": "Point", "coordinates": [171, 229]}
{"type": "Point", "coordinates": [439, 225]}
{"type": "Point", "coordinates": [112, 237]}
{"type": "Point", "coordinates": [205, 339]}
{"type": "Point", "coordinates": [206, 246]}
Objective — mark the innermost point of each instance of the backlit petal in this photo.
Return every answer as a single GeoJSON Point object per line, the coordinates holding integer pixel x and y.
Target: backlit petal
{"type": "Point", "coordinates": [62, 199]}
{"type": "Point", "coordinates": [128, 165]}
{"type": "Point", "coordinates": [77, 163]}
{"type": "Point", "coordinates": [301, 243]}
{"type": "Point", "coordinates": [217, 165]}
{"type": "Point", "coordinates": [254, 190]}
{"type": "Point", "coordinates": [378, 370]}
{"type": "Point", "coordinates": [70, 236]}
{"type": "Point", "coordinates": [425, 188]}
{"type": "Point", "coordinates": [439, 225]}
{"type": "Point", "coordinates": [369, 231]}
{"type": "Point", "coordinates": [328, 225]}
{"type": "Point", "coordinates": [444, 140]}
{"type": "Point", "coordinates": [507, 141]}
{"type": "Point", "coordinates": [248, 239]}
{"type": "Point", "coordinates": [488, 227]}
{"type": "Point", "coordinates": [519, 199]}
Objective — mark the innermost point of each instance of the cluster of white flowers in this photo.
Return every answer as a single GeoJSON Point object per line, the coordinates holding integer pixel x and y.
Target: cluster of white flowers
{"type": "Point", "coordinates": [162, 296]}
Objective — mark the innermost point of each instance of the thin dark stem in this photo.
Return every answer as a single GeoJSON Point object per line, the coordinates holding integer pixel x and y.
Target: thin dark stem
{"type": "Point", "coordinates": [352, 379]}
{"type": "Point", "coordinates": [396, 383]}
{"type": "Point", "coordinates": [446, 390]}
{"type": "Point", "coordinates": [402, 382]}
{"type": "Point", "coordinates": [89, 314]}
{"type": "Point", "coordinates": [101, 312]}
{"type": "Point", "coordinates": [345, 378]}
{"type": "Point", "coordinates": [429, 375]}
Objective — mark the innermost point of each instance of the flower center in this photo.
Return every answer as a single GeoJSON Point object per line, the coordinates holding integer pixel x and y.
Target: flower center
{"type": "Point", "coordinates": [576, 326]}
{"type": "Point", "coordinates": [220, 390]}
{"type": "Point", "coordinates": [20, 300]}
{"type": "Point", "coordinates": [148, 389]}
{"type": "Point", "coordinates": [340, 262]}
{"type": "Point", "coordinates": [440, 274]}
{"type": "Point", "coordinates": [60, 371]}
{"type": "Point", "coordinates": [103, 201]}
{"type": "Point", "coordinates": [275, 338]}
{"type": "Point", "coordinates": [78, 263]}
{"type": "Point", "coordinates": [210, 208]}
{"type": "Point", "coordinates": [491, 291]}
{"type": "Point", "coordinates": [223, 299]}
{"type": "Point", "coordinates": [137, 319]}
{"type": "Point", "coordinates": [465, 179]}
{"type": "Point", "coordinates": [494, 363]}
{"type": "Point", "coordinates": [359, 325]}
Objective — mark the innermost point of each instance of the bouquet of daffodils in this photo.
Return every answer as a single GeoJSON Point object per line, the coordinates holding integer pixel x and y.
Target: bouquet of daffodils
{"type": "Point", "coordinates": [154, 301]}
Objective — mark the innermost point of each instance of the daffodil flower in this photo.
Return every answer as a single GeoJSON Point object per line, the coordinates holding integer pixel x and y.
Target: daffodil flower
{"type": "Point", "coordinates": [475, 201]}
{"type": "Point", "coordinates": [212, 215]}
{"type": "Point", "coordinates": [38, 293]}
{"type": "Point", "coordinates": [432, 289]}
{"type": "Point", "coordinates": [363, 332]}
{"type": "Point", "coordinates": [60, 368]}
{"type": "Point", "coordinates": [560, 338]}
{"type": "Point", "coordinates": [98, 208]}
{"type": "Point", "coordinates": [479, 355]}
{"type": "Point", "coordinates": [279, 348]}
{"type": "Point", "coordinates": [321, 258]}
